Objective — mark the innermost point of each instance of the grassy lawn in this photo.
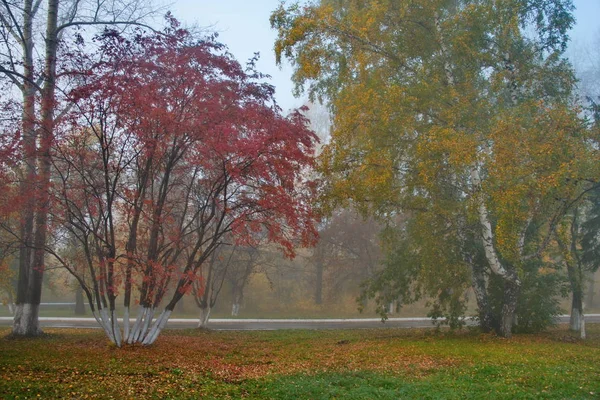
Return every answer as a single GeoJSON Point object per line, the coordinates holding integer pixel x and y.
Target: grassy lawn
{"type": "Point", "coordinates": [348, 364]}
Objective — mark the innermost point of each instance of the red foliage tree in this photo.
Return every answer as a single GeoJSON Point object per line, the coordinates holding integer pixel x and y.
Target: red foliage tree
{"type": "Point", "coordinates": [172, 147]}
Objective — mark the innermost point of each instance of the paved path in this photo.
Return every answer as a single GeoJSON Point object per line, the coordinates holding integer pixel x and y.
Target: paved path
{"type": "Point", "coordinates": [271, 324]}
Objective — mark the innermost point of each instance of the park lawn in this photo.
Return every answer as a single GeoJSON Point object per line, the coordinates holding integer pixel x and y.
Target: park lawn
{"type": "Point", "coordinates": [336, 364]}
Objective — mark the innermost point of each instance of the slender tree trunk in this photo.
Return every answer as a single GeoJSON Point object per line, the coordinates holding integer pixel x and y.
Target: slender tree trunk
{"type": "Point", "coordinates": [79, 304]}
{"type": "Point", "coordinates": [577, 320]}
{"type": "Point", "coordinates": [575, 312]}
{"type": "Point", "coordinates": [45, 142]}
{"type": "Point", "coordinates": [511, 296]}
{"type": "Point", "coordinates": [319, 282]}
{"type": "Point", "coordinates": [204, 316]}
{"type": "Point", "coordinates": [157, 327]}
{"type": "Point", "coordinates": [591, 302]}
{"type": "Point", "coordinates": [486, 322]}
{"type": "Point", "coordinates": [238, 296]}
{"type": "Point", "coordinates": [576, 279]}
{"type": "Point", "coordinates": [480, 288]}
{"type": "Point", "coordinates": [392, 307]}
{"type": "Point", "coordinates": [512, 284]}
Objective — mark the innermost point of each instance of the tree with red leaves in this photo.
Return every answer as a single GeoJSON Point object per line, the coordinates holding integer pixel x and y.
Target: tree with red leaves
{"type": "Point", "coordinates": [173, 148]}
{"type": "Point", "coordinates": [33, 38]}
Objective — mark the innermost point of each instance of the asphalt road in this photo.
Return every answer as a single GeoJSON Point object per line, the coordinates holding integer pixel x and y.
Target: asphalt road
{"type": "Point", "coordinates": [271, 324]}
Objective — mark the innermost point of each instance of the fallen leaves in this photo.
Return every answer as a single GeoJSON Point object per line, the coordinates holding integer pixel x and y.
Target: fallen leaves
{"type": "Point", "coordinates": [81, 364]}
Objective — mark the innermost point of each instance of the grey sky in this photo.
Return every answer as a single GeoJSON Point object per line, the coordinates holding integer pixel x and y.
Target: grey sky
{"type": "Point", "coordinates": [243, 25]}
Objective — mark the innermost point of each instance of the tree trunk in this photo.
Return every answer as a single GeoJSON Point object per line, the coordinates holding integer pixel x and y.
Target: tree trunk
{"type": "Point", "coordinates": [238, 296]}
{"type": "Point", "coordinates": [511, 296]}
{"type": "Point", "coordinates": [26, 313]}
{"type": "Point", "coordinates": [319, 282]}
{"type": "Point", "coordinates": [591, 291]}
{"type": "Point", "coordinates": [26, 322]}
{"type": "Point", "coordinates": [574, 321]}
{"type": "Point", "coordinates": [486, 322]}
{"type": "Point", "coordinates": [157, 327]}
{"type": "Point", "coordinates": [31, 269]}
{"type": "Point", "coordinates": [79, 304]}
{"type": "Point", "coordinates": [204, 317]}
{"type": "Point", "coordinates": [577, 320]}
{"type": "Point", "coordinates": [512, 284]}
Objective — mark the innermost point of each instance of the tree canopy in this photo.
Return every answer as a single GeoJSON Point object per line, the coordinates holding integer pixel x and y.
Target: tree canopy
{"type": "Point", "coordinates": [170, 149]}
{"type": "Point", "coordinates": [457, 112]}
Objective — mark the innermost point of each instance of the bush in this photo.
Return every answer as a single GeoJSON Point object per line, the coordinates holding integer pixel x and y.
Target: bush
{"type": "Point", "coordinates": [539, 300]}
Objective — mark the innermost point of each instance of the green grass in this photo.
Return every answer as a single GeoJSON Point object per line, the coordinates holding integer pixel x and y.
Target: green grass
{"type": "Point", "coordinates": [347, 364]}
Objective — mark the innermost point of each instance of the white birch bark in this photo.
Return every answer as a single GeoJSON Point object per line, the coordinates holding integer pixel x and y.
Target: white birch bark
{"type": "Point", "coordinates": [486, 230]}
{"type": "Point", "coordinates": [235, 309]}
{"type": "Point", "coordinates": [484, 219]}
{"type": "Point", "coordinates": [521, 241]}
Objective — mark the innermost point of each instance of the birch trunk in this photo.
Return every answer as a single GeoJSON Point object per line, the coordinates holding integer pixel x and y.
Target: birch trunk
{"type": "Point", "coordinates": [511, 295]}
{"type": "Point", "coordinates": [512, 284]}
{"type": "Point", "coordinates": [235, 309]}
{"type": "Point", "coordinates": [486, 322]}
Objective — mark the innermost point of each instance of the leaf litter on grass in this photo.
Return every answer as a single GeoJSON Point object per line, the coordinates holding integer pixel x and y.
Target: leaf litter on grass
{"type": "Point", "coordinates": [191, 364]}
